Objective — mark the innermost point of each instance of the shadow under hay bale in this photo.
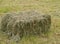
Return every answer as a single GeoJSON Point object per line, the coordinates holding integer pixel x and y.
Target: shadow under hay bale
{"type": "Point", "coordinates": [25, 23]}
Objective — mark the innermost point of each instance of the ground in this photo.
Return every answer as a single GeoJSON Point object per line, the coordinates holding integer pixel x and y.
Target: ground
{"type": "Point", "coordinates": [51, 7]}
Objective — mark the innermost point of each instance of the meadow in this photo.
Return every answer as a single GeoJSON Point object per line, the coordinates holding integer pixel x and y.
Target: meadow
{"type": "Point", "coordinates": [49, 7]}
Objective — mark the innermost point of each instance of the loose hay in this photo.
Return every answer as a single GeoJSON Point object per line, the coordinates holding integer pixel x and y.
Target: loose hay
{"type": "Point", "coordinates": [25, 23]}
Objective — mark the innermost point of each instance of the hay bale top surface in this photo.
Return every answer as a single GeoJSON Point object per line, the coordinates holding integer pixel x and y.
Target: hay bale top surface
{"type": "Point", "coordinates": [26, 16]}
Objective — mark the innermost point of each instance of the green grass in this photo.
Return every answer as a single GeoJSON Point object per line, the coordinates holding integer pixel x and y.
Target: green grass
{"type": "Point", "coordinates": [51, 7]}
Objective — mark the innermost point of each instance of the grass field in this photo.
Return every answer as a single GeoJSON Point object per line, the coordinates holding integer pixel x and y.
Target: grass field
{"type": "Point", "coordinates": [51, 7]}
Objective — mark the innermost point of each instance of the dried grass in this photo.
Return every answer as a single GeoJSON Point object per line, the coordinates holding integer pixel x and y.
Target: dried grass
{"type": "Point", "coordinates": [25, 23]}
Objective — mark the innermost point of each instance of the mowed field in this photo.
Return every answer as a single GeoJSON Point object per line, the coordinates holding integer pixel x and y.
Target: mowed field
{"type": "Point", "coordinates": [49, 7]}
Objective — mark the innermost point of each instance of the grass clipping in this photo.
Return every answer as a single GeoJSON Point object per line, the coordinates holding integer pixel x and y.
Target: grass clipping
{"type": "Point", "coordinates": [26, 23]}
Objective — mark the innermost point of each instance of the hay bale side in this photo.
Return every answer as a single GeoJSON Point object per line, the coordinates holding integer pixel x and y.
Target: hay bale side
{"type": "Point", "coordinates": [25, 23]}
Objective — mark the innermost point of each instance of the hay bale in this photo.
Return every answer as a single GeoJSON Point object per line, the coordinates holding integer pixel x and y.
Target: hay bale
{"type": "Point", "coordinates": [25, 23]}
